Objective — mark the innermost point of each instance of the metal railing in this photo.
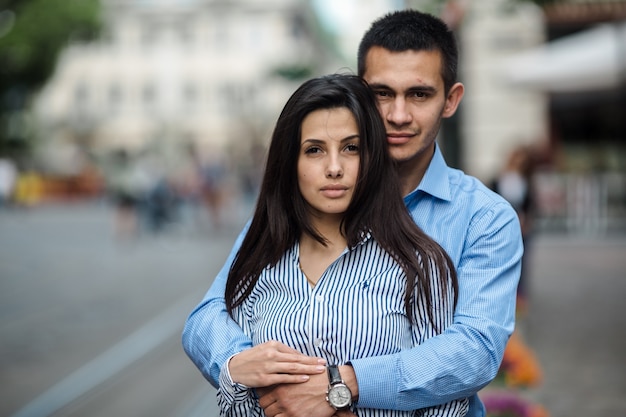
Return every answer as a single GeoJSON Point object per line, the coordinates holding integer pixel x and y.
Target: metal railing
{"type": "Point", "coordinates": [590, 204]}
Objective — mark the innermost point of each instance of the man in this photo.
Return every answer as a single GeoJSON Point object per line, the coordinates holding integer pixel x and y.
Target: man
{"type": "Point", "coordinates": [410, 61]}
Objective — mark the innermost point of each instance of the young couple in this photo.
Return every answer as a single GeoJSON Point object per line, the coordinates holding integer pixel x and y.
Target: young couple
{"type": "Point", "coordinates": [335, 300]}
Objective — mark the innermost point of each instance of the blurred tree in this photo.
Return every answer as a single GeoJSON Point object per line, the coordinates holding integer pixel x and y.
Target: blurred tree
{"type": "Point", "coordinates": [32, 34]}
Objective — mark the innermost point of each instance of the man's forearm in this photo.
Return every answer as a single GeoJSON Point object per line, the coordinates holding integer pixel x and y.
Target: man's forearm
{"type": "Point", "coordinates": [429, 374]}
{"type": "Point", "coordinates": [210, 335]}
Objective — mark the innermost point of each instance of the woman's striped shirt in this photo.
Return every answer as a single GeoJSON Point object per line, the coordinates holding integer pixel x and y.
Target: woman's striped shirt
{"type": "Point", "coordinates": [356, 310]}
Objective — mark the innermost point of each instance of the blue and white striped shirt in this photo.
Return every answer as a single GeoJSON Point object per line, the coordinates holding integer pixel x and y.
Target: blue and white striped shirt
{"type": "Point", "coordinates": [356, 310]}
{"type": "Point", "coordinates": [481, 233]}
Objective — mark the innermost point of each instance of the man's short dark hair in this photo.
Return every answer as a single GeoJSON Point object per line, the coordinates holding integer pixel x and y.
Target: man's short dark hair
{"type": "Point", "coordinates": [412, 30]}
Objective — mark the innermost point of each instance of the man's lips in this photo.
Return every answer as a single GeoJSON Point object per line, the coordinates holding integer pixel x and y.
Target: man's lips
{"type": "Point", "coordinates": [399, 138]}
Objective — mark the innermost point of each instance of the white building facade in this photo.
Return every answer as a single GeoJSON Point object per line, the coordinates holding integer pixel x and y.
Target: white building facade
{"type": "Point", "coordinates": [172, 72]}
{"type": "Point", "coordinates": [169, 73]}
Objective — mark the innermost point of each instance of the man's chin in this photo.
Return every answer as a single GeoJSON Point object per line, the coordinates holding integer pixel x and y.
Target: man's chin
{"type": "Point", "coordinates": [408, 156]}
{"type": "Point", "coordinates": [400, 155]}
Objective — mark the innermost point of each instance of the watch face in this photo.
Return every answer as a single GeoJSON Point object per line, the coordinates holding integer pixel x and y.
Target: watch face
{"type": "Point", "coordinates": [339, 396]}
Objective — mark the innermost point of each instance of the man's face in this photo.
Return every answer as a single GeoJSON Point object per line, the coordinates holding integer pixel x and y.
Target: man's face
{"type": "Point", "coordinates": [411, 100]}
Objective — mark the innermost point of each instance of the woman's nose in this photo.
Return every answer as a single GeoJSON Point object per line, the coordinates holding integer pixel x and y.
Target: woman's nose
{"type": "Point", "coordinates": [334, 169]}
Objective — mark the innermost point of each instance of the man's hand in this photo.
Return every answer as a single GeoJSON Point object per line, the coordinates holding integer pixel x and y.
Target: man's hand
{"type": "Point", "coordinates": [346, 413]}
{"type": "Point", "coordinates": [273, 363]}
{"type": "Point", "coordinates": [307, 399]}
{"type": "Point", "coordinates": [294, 400]}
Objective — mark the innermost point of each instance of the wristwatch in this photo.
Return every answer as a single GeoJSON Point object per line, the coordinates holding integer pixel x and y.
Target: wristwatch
{"type": "Point", "coordinates": [338, 395]}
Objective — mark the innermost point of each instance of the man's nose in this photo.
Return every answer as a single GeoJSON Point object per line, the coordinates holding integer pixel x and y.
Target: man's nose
{"type": "Point", "coordinates": [397, 112]}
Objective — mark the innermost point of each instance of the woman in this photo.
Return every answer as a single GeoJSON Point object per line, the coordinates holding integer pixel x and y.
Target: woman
{"type": "Point", "coordinates": [332, 265]}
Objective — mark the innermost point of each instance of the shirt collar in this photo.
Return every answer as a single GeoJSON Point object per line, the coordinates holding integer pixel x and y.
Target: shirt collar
{"type": "Point", "coordinates": [435, 180]}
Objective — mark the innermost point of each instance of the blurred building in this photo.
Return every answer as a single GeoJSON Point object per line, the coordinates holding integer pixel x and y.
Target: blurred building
{"type": "Point", "coordinates": [580, 72]}
{"type": "Point", "coordinates": [215, 74]}
{"type": "Point", "coordinates": [552, 78]}
{"type": "Point", "coordinates": [170, 73]}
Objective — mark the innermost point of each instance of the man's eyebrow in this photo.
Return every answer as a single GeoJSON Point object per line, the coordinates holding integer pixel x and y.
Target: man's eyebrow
{"type": "Point", "coordinates": [422, 89]}
{"type": "Point", "coordinates": [415, 89]}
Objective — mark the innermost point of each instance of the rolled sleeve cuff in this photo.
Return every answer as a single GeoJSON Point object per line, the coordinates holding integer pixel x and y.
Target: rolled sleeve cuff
{"type": "Point", "coordinates": [232, 392]}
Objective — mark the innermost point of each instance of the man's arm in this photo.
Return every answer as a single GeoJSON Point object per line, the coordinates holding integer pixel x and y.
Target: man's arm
{"type": "Point", "coordinates": [210, 335]}
{"type": "Point", "coordinates": [466, 356]}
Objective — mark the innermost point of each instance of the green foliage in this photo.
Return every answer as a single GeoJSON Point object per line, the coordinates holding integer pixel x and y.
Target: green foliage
{"type": "Point", "coordinates": [32, 34]}
{"type": "Point", "coordinates": [37, 31]}
{"type": "Point", "coordinates": [294, 72]}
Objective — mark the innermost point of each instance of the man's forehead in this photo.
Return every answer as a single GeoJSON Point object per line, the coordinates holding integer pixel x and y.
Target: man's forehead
{"type": "Point", "coordinates": [403, 70]}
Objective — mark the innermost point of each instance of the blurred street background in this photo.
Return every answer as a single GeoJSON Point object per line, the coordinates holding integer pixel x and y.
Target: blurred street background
{"type": "Point", "coordinates": [132, 143]}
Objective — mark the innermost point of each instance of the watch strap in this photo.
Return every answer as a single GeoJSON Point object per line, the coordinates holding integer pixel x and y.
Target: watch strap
{"type": "Point", "coordinates": [334, 377]}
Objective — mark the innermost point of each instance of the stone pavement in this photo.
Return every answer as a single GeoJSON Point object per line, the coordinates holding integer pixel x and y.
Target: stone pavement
{"type": "Point", "coordinates": [576, 324]}
{"type": "Point", "coordinates": [71, 292]}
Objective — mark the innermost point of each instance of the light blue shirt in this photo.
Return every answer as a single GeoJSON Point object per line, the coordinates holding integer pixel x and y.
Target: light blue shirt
{"type": "Point", "coordinates": [481, 233]}
{"type": "Point", "coordinates": [355, 310]}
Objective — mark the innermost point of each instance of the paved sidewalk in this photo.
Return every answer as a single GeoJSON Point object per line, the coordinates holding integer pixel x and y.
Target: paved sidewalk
{"type": "Point", "coordinates": [576, 324]}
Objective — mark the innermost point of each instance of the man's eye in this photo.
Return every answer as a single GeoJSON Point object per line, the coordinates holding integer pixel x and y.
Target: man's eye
{"type": "Point", "coordinates": [382, 93]}
{"type": "Point", "coordinates": [420, 95]}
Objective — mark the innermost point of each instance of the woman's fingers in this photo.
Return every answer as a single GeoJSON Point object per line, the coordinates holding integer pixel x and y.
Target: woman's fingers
{"type": "Point", "coordinates": [272, 363]}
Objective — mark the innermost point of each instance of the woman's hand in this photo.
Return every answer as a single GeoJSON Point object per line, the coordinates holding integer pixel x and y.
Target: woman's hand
{"type": "Point", "coordinates": [273, 363]}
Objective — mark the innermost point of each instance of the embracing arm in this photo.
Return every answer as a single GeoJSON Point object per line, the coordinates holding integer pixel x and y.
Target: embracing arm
{"type": "Point", "coordinates": [211, 336]}
{"type": "Point", "coordinates": [466, 356]}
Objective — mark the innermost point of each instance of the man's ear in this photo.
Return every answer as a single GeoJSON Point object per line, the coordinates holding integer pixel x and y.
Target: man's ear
{"type": "Point", "coordinates": [452, 101]}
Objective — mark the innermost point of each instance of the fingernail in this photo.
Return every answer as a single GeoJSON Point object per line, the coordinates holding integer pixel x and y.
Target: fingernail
{"type": "Point", "coordinates": [322, 361]}
{"type": "Point", "coordinates": [320, 368]}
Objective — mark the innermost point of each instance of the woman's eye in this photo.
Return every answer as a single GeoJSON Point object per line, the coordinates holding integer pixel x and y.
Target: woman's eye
{"type": "Point", "coordinates": [352, 147]}
{"type": "Point", "coordinates": [312, 149]}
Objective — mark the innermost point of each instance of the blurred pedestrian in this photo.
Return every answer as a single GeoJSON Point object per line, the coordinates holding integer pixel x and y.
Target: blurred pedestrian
{"type": "Point", "coordinates": [127, 184]}
{"type": "Point", "coordinates": [515, 184]}
{"type": "Point", "coordinates": [8, 176]}
{"type": "Point", "coordinates": [210, 173]}
{"type": "Point", "coordinates": [161, 206]}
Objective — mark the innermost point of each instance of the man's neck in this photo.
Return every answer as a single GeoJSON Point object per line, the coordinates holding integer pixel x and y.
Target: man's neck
{"type": "Point", "coordinates": [412, 171]}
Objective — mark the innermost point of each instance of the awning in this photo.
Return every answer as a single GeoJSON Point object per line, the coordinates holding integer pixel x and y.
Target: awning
{"type": "Point", "coordinates": [594, 59]}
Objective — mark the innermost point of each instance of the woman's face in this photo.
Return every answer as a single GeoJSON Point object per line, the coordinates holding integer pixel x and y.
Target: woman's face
{"type": "Point", "coordinates": [328, 162]}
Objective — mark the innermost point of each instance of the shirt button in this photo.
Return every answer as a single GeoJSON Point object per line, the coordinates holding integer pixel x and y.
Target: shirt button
{"type": "Point", "coordinates": [319, 298]}
{"type": "Point", "coordinates": [317, 342]}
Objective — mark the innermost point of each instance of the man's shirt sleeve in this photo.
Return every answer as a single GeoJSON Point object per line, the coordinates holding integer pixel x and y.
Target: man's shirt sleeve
{"type": "Point", "coordinates": [211, 336]}
{"type": "Point", "coordinates": [466, 356]}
